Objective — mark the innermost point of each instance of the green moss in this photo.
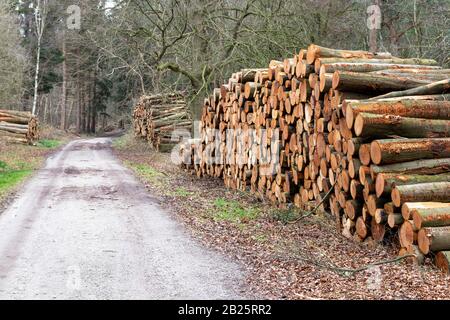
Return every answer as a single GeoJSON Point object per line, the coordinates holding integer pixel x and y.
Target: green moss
{"type": "Point", "coordinates": [285, 215]}
{"type": "Point", "coordinates": [181, 192]}
{"type": "Point", "coordinates": [9, 179]}
{"type": "Point", "coordinates": [49, 143]}
{"type": "Point", "coordinates": [233, 211]}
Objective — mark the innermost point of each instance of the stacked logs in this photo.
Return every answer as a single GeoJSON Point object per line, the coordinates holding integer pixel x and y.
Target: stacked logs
{"type": "Point", "coordinates": [18, 127]}
{"type": "Point", "coordinates": [156, 117]}
{"type": "Point", "coordinates": [357, 133]}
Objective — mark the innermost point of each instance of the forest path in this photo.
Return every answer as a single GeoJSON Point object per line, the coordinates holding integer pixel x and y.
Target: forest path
{"type": "Point", "coordinates": [84, 228]}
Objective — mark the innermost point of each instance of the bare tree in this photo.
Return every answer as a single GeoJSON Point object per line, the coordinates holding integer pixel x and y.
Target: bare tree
{"type": "Point", "coordinates": [40, 15]}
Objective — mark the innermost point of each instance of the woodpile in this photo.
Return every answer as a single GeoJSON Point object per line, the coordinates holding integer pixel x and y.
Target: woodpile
{"type": "Point", "coordinates": [364, 136]}
{"type": "Point", "coordinates": [18, 127]}
{"type": "Point", "coordinates": [156, 117]}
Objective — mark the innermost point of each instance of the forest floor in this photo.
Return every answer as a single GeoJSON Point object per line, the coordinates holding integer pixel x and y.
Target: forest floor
{"type": "Point", "coordinates": [18, 162]}
{"type": "Point", "coordinates": [304, 260]}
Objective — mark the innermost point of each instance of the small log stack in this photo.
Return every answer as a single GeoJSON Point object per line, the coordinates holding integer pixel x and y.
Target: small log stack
{"type": "Point", "coordinates": [364, 135]}
{"type": "Point", "coordinates": [18, 127]}
{"type": "Point", "coordinates": [156, 117]}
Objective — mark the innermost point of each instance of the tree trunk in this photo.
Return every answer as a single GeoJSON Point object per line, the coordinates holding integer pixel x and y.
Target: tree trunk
{"type": "Point", "coordinates": [428, 166]}
{"type": "Point", "coordinates": [437, 87]}
{"type": "Point", "coordinates": [384, 182]}
{"type": "Point", "coordinates": [399, 150]}
{"type": "Point", "coordinates": [431, 217]}
{"type": "Point", "coordinates": [64, 84]}
{"type": "Point", "coordinates": [406, 108]}
{"type": "Point", "coordinates": [385, 126]}
{"type": "Point", "coordinates": [434, 239]}
{"type": "Point", "coordinates": [408, 207]}
{"type": "Point", "coordinates": [443, 261]}
{"type": "Point", "coordinates": [373, 83]}
{"type": "Point", "coordinates": [315, 51]}
{"type": "Point", "coordinates": [422, 192]}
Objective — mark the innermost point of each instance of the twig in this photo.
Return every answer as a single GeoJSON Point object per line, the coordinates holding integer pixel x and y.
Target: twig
{"type": "Point", "coordinates": [350, 271]}
{"type": "Point", "coordinates": [309, 213]}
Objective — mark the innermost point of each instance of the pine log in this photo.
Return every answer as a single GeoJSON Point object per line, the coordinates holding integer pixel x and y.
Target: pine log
{"type": "Point", "coordinates": [427, 109]}
{"type": "Point", "coordinates": [399, 150]}
{"type": "Point", "coordinates": [431, 217]}
{"type": "Point", "coordinates": [378, 231]}
{"type": "Point", "coordinates": [315, 51]}
{"type": "Point", "coordinates": [373, 83]}
{"type": "Point", "coordinates": [421, 167]}
{"type": "Point", "coordinates": [422, 192]}
{"type": "Point", "coordinates": [434, 239]}
{"type": "Point", "coordinates": [395, 219]}
{"type": "Point", "coordinates": [384, 182]}
{"type": "Point", "coordinates": [369, 67]}
{"type": "Point", "coordinates": [438, 87]}
{"type": "Point", "coordinates": [406, 234]}
{"type": "Point", "coordinates": [319, 61]}
{"type": "Point", "coordinates": [443, 261]}
{"type": "Point", "coordinates": [408, 207]}
{"type": "Point", "coordinates": [384, 126]}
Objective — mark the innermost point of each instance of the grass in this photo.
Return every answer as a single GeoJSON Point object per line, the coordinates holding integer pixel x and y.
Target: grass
{"type": "Point", "coordinates": [9, 179]}
{"type": "Point", "coordinates": [233, 211]}
{"type": "Point", "coordinates": [285, 215]}
{"type": "Point", "coordinates": [49, 143]}
{"type": "Point", "coordinates": [181, 192]}
{"type": "Point", "coordinates": [11, 176]}
{"type": "Point", "coordinates": [17, 162]}
{"type": "Point", "coordinates": [147, 173]}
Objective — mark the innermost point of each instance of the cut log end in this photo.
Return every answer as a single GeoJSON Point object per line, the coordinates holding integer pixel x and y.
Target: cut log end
{"type": "Point", "coordinates": [423, 241]}
{"type": "Point", "coordinates": [396, 198]}
{"type": "Point", "coordinates": [379, 185]}
{"type": "Point", "coordinates": [375, 152]}
{"type": "Point", "coordinates": [443, 261]}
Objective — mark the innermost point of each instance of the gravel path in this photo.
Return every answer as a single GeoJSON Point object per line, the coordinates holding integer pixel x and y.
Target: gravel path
{"type": "Point", "coordinates": [84, 228]}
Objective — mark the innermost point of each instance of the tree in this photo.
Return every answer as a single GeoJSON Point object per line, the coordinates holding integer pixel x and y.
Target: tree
{"type": "Point", "coordinates": [40, 16]}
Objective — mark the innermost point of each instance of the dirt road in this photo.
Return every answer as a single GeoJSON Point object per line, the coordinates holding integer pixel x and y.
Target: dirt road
{"type": "Point", "coordinates": [85, 228]}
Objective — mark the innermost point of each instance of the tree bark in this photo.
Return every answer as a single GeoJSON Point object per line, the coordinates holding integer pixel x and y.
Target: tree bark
{"type": "Point", "coordinates": [422, 192]}
{"type": "Point", "coordinates": [373, 83]}
{"type": "Point", "coordinates": [434, 239]}
{"type": "Point", "coordinates": [384, 182]}
{"type": "Point", "coordinates": [443, 261]}
{"type": "Point", "coordinates": [438, 87]}
{"type": "Point", "coordinates": [427, 109]}
{"type": "Point", "coordinates": [385, 126]}
{"type": "Point", "coordinates": [399, 150]}
{"type": "Point", "coordinates": [431, 217]}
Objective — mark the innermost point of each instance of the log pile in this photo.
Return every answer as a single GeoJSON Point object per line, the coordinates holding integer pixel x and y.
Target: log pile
{"type": "Point", "coordinates": [364, 135]}
{"type": "Point", "coordinates": [156, 117]}
{"type": "Point", "coordinates": [18, 127]}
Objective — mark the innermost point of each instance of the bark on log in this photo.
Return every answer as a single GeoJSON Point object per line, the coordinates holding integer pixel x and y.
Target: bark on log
{"type": "Point", "coordinates": [427, 109]}
{"type": "Point", "coordinates": [428, 166]}
{"type": "Point", "coordinates": [431, 217]}
{"type": "Point", "coordinates": [384, 126]}
{"type": "Point", "coordinates": [373, 83]}
{"type": "Point", "coordinates": [384, 182]}
{"type": "Point", "coordinates": [315, 51]}
{"type": "Point", "coordinates": [408, 207]}
{"type": "Point", "coordinates": [422, 192]}
{"type": "Point", "coordinates": [443, 261]}
{"type": "Point", "coordinates": [434, 239]}
{"type": "Point", "coordinates": [399, 150]}
{"type": "Point", "coordinates": [438, 87]}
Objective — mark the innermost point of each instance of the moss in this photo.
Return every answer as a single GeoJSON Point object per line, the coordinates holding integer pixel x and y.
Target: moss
{"type": "Point", "coordinates": [233, 211]}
